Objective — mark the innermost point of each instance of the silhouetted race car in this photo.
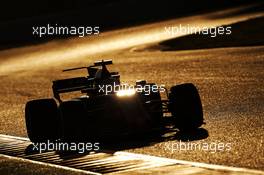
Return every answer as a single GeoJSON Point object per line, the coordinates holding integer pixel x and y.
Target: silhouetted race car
{"type": "Point", "coordinates": [107, 110]}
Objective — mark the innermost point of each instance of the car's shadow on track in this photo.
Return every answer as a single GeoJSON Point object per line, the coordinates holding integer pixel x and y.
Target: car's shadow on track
{"type": "Point", "coordinates": [143, 141]}
{"type": "Point", "coordinates": [197, 134]}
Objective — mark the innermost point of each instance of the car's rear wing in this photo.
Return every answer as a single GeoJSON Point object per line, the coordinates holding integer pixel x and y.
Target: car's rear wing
{"type": "Point", "coordinates": [96, 76]}
{"type": "Point", "coordinates": [70, 85]}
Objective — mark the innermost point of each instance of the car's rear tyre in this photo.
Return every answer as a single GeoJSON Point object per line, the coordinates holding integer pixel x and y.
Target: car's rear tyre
{"type": "Point", "coordinates": [186, 107]}
{"type": "Point", "coordinates": [42, 120]}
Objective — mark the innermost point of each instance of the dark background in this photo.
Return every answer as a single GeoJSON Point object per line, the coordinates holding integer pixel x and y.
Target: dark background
{"type": "Point", "coordinates": [18, 17]}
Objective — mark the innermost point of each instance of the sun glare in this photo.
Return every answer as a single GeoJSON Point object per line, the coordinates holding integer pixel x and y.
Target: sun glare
{"type": "Point", "coordinates": [127, 92]}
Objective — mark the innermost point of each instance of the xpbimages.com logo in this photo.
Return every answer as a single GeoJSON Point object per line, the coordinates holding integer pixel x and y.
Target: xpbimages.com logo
{"type": "Point", "coordinates": [212, 147]}
{"type": "Point", "coordinates": [80, 31]}
{"type": "Point", "coordinates": [204, 30]}
{"type": "Point", "coordinates": [119, 89]}
{"type": "Point", "coordinates": [79, 147]}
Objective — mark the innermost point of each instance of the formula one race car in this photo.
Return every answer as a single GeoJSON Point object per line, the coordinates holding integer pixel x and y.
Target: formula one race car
{"type": "Point", "coordinates": [108, 110]}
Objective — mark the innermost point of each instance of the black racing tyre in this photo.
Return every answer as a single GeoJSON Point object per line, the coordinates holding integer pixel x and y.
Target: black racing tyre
{"type": "Point", "coordinates": [186, 107]}
{"type": "Point", "coordinates": [74, 120]}
{"type": "Point", "coordinates": [42, 120]}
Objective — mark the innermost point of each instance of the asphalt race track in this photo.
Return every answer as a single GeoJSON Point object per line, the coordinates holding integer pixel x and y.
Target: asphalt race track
{"type": "Point", "coordinates": [230, 81]}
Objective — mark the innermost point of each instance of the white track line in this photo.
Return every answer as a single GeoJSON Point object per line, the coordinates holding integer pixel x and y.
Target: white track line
{"type": "Point", "coordinates": [49, 164]}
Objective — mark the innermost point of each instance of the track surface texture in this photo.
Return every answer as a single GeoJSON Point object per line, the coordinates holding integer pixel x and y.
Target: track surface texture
{"type": "Point", "coordinates": [230, 80]}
